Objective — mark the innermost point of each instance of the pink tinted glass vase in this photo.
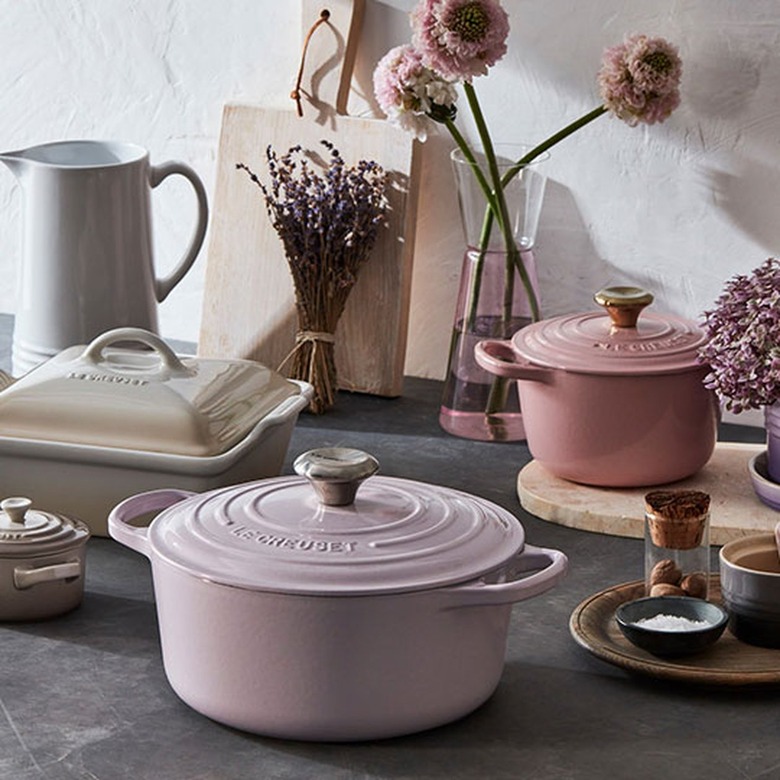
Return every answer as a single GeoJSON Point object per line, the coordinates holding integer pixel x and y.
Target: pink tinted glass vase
{"type": "Point", "coordinates": [493, 301]}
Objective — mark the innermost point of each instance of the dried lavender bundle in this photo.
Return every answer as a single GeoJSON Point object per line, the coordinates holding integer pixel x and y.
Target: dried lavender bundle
{"type": "Point", "coordinates": [328, 221]}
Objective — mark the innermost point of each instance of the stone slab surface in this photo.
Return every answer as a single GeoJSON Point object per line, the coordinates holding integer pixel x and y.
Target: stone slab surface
{"type": "Point", "coordinates": [735, 510]}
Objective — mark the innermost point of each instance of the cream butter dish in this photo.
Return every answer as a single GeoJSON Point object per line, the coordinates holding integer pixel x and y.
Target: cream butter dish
{"type": "Point", "coordinates": [97, 423]}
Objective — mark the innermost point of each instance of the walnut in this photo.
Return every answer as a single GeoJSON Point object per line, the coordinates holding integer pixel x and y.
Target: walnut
{"type": "Point", "coordinates": [695, 585]}
{"type": "Point", "coordinates": [666, 571]}
{"type": "Point", "coordinates": [666, 589]}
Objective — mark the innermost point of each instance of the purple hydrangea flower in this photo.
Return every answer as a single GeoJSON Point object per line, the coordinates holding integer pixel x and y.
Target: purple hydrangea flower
{"type": "Point", "coordinates": [743, 350]}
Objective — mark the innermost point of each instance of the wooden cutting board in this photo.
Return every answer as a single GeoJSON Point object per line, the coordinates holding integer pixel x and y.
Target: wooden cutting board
{"type": "Point", "coordinates": [249, 307]}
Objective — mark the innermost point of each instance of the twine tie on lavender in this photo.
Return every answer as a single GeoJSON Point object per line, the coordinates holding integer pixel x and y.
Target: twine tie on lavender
{"type": "Point", "coordinates": [316, 337]}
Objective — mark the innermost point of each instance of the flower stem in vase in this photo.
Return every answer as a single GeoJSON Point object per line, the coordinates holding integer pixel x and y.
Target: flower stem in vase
{"type": "Point", "coordinates": [469, 390]}
{"type": "Point", "coordinates": [492, 302]}
{"type": "Point", "coordinates": [498, 210]}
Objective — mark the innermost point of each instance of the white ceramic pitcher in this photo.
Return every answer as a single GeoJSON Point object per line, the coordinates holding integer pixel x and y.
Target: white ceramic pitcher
{"type": "Point", "coordinates": [87, 263]}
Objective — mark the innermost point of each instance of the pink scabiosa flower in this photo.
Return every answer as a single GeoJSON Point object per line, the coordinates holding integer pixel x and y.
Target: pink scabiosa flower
{"type": "Point", "coordinates": [639, 79]}
{"type": "Point", "coordinates": [460, 38]}
{"type": "Point", "coordinates": [411, 94]}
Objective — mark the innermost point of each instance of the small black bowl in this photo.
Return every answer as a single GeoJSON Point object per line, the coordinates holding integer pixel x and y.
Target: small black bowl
{"type": "Point", "coordinates": [671, 644]}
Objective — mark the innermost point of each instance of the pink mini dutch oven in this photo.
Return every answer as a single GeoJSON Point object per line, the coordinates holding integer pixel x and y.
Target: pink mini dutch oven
{"type": "Point", "coordinates": [611, 398]}
{"type": "Point", "coordinates": [307, 611]}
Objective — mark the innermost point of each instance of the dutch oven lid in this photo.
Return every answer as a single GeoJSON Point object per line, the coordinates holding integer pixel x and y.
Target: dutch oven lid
{"type": "Point", "coordinates": [148, 400]}
{"type": "Point", "coordinates": [314, 535]}
{"type": "Point", "coordinates": [25, 531]}
{"type": "Point", "coordinates": [615, 341]}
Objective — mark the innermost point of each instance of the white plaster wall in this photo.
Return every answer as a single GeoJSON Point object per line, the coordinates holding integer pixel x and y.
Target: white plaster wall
{"type": "Point", "coordinates": [678, 207]}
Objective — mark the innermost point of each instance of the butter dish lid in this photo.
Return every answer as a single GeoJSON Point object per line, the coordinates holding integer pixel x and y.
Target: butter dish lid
{"type": "Point", "coordinates": [152, 400]}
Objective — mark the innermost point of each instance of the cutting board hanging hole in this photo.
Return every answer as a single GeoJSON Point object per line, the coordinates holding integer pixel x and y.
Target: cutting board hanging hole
{"type": "Point", "coordinates": [296, 92]}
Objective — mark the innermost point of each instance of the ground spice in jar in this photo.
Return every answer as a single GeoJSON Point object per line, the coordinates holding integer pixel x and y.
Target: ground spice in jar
{"type": "Point", "coordinates": [677, 517]}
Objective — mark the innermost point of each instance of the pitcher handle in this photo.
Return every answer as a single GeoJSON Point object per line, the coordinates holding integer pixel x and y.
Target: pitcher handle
{"type": "Point", "coordinates": [157, 174]}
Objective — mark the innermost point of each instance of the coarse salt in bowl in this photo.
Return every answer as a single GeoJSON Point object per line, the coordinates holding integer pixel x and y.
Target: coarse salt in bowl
{"type": "Point", "coordinates": [671, 626]}
{"type": "Point", "coordinates": [671, 623]}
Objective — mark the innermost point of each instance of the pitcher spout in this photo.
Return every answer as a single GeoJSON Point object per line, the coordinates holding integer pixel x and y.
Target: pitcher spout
{"type": "Point", "coordinates": [14, 161]}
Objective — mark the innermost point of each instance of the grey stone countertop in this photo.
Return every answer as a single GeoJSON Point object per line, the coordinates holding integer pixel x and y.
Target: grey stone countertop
{"type": "Point", "coordinates": [85, 697]}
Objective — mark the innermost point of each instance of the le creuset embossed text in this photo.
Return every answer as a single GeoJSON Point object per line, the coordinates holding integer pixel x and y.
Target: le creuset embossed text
{"type": "Point", "coordinates": [312, 611]}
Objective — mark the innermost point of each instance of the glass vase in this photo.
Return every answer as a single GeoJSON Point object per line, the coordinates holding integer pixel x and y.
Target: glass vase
{"type": "Point", "coordinates": [498, 294]}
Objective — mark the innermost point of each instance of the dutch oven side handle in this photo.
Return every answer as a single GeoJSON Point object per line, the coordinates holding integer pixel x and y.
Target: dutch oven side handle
{"type": "Point", "coordinates": [499, 358]}
{"type": "Point", "coordinates": [121, 516]}
{"type": "Point", "coordinates": [549, 567]}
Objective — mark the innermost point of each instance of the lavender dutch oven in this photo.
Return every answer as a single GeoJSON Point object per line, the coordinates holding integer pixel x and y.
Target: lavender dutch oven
{"type": "Point", "coordinates": [313, 613]}
{"type": "Point", "coordinates": [612, 398]}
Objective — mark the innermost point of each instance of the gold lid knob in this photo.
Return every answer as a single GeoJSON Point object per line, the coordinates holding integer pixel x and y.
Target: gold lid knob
{"type": "Point", "coordinates": [623, 304]}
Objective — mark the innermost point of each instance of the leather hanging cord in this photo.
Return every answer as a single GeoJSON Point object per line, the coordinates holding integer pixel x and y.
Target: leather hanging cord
{"type": "Point", "coordinates": [296, 93]}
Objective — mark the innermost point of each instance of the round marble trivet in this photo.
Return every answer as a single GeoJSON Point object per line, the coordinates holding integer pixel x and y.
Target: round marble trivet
{"type": "Point", "coordinates": [735, 510]}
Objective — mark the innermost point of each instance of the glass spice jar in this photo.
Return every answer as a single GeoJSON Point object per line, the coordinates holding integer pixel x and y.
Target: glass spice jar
{"type": "Point", "coordinates": [677, 543]}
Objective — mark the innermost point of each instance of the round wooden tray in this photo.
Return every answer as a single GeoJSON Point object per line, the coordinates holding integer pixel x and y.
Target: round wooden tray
{"type": "Point", "coordinates": [727, 662]}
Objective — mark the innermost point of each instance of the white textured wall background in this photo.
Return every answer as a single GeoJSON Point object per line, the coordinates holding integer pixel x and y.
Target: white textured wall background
{"type": "Point", "coordinates": [678, 207]}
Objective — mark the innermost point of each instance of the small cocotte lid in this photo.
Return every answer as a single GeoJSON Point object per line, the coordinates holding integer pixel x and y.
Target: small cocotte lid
{"type": "Point", "coordinates": [614, 339]}
{"type": "Point", "coordinates": [141, 399]}
{"type": "Point", "coordinates": [25, 531]}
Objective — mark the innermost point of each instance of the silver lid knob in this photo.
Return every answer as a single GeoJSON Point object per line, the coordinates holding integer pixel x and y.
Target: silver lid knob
{"type": "Point", "coordinates": [336, 472]}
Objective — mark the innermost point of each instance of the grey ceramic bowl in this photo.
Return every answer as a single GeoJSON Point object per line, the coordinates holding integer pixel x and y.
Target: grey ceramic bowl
{"type": "Point", "coordinates": [750, 586]}
{"type": "Point", "coordinates": [667, 643]}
